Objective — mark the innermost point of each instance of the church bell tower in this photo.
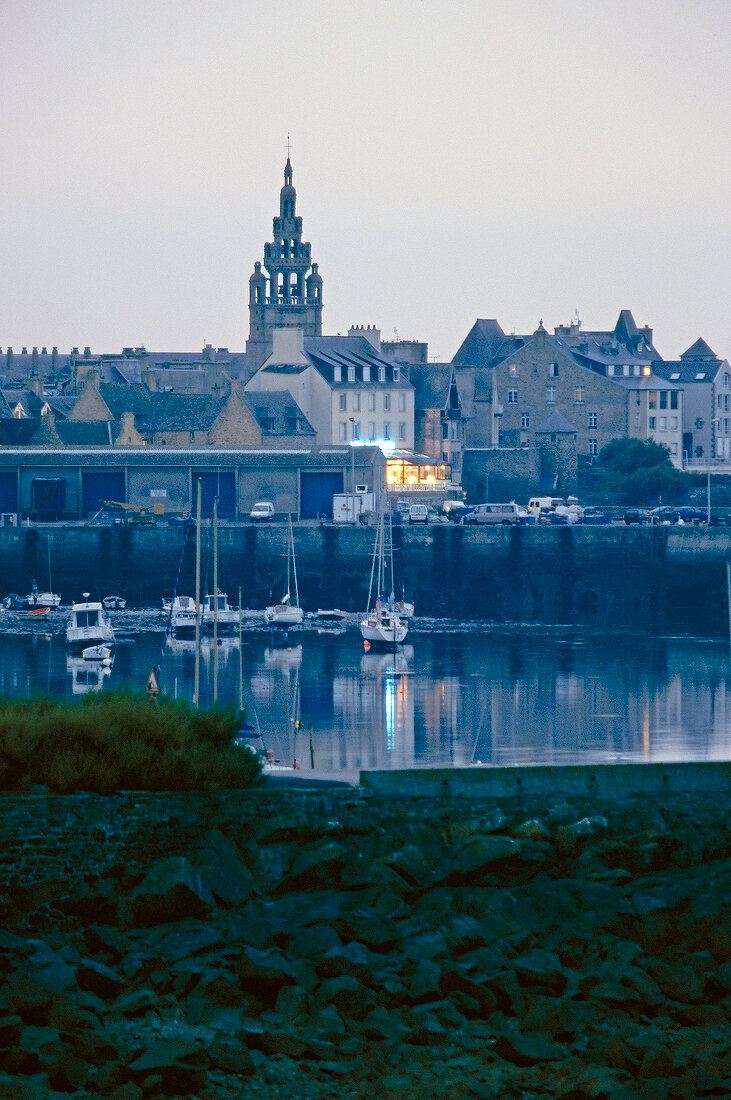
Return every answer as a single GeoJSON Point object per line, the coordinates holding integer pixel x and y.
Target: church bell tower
{"type": "Point", "coordinates": [286, 295]}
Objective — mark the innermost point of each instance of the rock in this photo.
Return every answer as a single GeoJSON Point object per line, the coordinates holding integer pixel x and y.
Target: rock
{"type": "Point", "coordinates": [231, 1056]}
{"type": "Point", "coordinates": [28, 996]}
{"type": "Point", "coordinates": [263, 973]}
{"type": "Point", "coordinates": [524, 1050]}
{"type": "Point", "coordinates": [184, 944]}
{"type": "Point", "coordinates": [25, 1088]}
{"type": "Point", "coordinates": [226, 874]}
{"type": "Point", "coordinates": [349, 996]}
{"type": "Point", "coordinates": [292, 1002]}
{"type": "Point", "coordinates": [411, 865]}
{"type": "Point", "coordinates": [181, 1066]}
{"type": "Point", "coordinates": [172, 890]}
{"type": "Point", "coordinates": [542, 968]}
{"type": "Point", "coordinates": [353, 959]}
{"type": "Point", "coordinates": [10, 1029]}
{"type": "Point", "coordinates": [100, 980]}
{"type": "Point", "coordinates": [479, 856]}
{"type": "Point", "coordinates": [532, 829]}
{"type": "Point", "coordinates": [318, 865]}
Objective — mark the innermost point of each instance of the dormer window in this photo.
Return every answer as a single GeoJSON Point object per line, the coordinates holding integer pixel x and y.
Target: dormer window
{"type": "Point", "coordinates": [338, 374]}
{"type": "Point", "coordinates": [351, 374]}
{"type": "Point", "coordinates": [366, 374]}
{"type": "Point", "coordinates": [396, 374]}
{"type": "Point", "coordinates": [381, 374]}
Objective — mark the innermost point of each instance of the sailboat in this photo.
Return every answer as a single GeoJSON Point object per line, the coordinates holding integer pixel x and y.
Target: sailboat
{"type": "Point", "coordinates": [286, 613]}
{"type": "Point", "coordinates": [382, 625]}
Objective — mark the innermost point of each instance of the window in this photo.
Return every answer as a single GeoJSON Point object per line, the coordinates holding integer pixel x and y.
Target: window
{"type": "Point", "coordinates": [355, 430]}
{"type": "Point", "coordinates": [727, 380]}
{"type": "Point", "coordinates": [625, 370]}
{"type": "Point", "coordinates": [663, 399]}
{"type": "Point", "coordinates": [610, 370]}
{"type": "Point", "coordinates": [371, 402]}
{"type": "Point", "coordinates": [673, 448]}
{"type": "Point", "coordinates": [593, 447]}
{"type": "Point", "coordinates": [356, 402]}
{"type": "Point", "coordinates": [725, 426]}
{"type": "Point", "coordinates": [445, 429]}
{"type": "Point", "coordinates": [402, 402]}
{"type": "Point", "coordinates": [592, 420]}
{"type": "Point", "coordinates": [513, 370]}
{"type": "Point", "coordinates": [387, 402]}
{"type": "Point", "coordinates": [525, 420]}
{"type": "Point", "coordinates": [652, 400]}
{"type": "Point", "coordinates": [366, 374]}
{"type": "Point", "coordinates": [396, 374]}
{"type": "Point", "coordinates": [386, 429]}
{"type": "Point", "coordinates": [381, 374]}
{"type": "Point", "coordinates": [636, 372]}
{"type": "Point", "coordinates": [699, 422]}
{"type": "Point", "coordinates": [402, 430]}
{"type": "Point", "coordinates": [699, 452]}
{"type": "Point", "coordinates": [351, 374]}
{"type": "Point", "coordinates": [553, 370]}
{"type": "Point", "coordinates": [638, 421]}
{"type": "Point", "coordinates": [550, 395]}
{"type": "Point", "coordinates": [512, 397]}
{"type": "Point", "coordinates": [651, 423]}
{"type": "Point", "coordinates": [578, 395]}
{"type": "Point", "coordinates": [343, 402]}
{"type": "Point", "coordinates": [343, 431]}
{"type": "Point", "coordinates": [371, 430]}
{"type": "Point", "coordinates": [674, 399]}
{"type": "Point", "coordinates": [673, 423]}
{"type": "Point", "coordinates": [337, 374]}
{"type": "Point", "coordinates": [663, 423]}
{"type": "Point", "coordinates": [646, 372]}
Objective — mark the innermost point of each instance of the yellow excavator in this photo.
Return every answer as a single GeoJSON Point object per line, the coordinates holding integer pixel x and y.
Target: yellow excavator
{"type": "Point", "coordinates": [130, 513]}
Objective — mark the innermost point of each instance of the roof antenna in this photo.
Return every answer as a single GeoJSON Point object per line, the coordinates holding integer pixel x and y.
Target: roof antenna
{"type": "Point", "coordinates": [287, 144]}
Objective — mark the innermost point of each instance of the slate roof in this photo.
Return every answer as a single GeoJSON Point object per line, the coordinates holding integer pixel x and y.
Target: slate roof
{"type": "Point", "coordinates": [18, 431]}
{"type": "Point", "coordinates": [699, 350]}
{"type": "Point", "coordinates": [121, 398]}
{"type": "Point", "coordinates": [180, 412]}
{"type": "Point", "coordinates": [486, 345]}
{"type": "Point", "coordinates": [431, 385]}
{"type": "Point", "coordinates": [687, 372]}
{"type": "Point", "coordinates": [556, 422]}
{"type": "Point", "coordinates": [87, 433]}
{"type": "Point", "coordinates": [328, 352]}
{"type": "Point", "coordinates": [275, 412]}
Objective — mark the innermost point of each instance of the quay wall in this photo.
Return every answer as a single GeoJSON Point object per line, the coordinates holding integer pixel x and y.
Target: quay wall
{"type": "Point", "coordinates": [661, 578]}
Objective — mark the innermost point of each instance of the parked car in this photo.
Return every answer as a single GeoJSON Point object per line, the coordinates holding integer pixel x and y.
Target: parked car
{"type": "Point", "coordinates": [453, 509]}
{"type": "Point", "coordinates": [596, 517]}
{"type": "Point", "coordinates": [688, 514]}
{"type": "Point", "coordinates": [664, 514]}
{"type": "Point", "coordinates": [418, 513]}
{"type": "Point", "coordinates": [503, 514]}
{"type": "Point", "coordinates": [263, 510]}
{"type": "Point", "coordinates": [636, 515]}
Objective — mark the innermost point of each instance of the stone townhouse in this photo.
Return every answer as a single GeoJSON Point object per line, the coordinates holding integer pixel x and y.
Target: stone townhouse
{"type": "Point", "coordinates": [706, 417]}
{"type": "Point", "coordinates": [439, 421]}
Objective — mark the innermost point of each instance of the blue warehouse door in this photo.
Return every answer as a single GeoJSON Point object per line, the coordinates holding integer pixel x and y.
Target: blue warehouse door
{"type": "Point", "coordinates": [221, 485]}
{"type": "Point", "coordinates": [8, 491]}
{"type": "Point", "coordinates": [98, 486]}
{"type": "Point", "coordinates": [317, 492]}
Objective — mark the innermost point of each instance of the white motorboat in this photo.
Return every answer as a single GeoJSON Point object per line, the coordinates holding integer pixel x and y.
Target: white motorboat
{"type": "Point", "coordinates": [333, 615]}
{"type": "Point", "coordinates": [287, 613]}
{"type": "Point", "coordinates": [32, 601]}
{"type": "Point", "coordinates": [114, 603]}
{"type": "Point", "coordinates": [100, 653]}
{"type": "Point", "coordinates": [217, 610]}
{"type": "Point", "coordinates": [382, 625]}
{"type": "Point", "coordinates": [183, 615]}
{"type": "Point", "coordinates": [89, 625]}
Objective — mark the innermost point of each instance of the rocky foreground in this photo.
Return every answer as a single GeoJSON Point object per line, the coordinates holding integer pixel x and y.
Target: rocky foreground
{"type": "Point", "coordinates": [330, 944]}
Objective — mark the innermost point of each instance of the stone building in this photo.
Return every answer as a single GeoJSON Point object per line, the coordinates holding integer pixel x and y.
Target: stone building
{"type": "Point", "coordinates": [706, 419]}
{"type": "Point", "coordinates": [286, 296]}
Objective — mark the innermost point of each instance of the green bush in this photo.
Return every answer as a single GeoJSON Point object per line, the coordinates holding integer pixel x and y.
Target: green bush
{"type": "Point", "coordinates": [110, 741]}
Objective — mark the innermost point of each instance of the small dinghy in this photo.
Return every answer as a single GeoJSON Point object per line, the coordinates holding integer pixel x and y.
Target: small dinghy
{"type": "Point", "coordinates": [100, 653]}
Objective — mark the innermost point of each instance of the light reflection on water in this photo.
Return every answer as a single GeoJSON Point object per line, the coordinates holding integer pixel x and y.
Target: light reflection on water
{"type": "Point", "coordinates": [462, 696]}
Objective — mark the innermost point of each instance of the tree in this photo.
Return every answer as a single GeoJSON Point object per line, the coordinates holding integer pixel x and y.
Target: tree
{"type": "Point", "coordinates": [641, 472]}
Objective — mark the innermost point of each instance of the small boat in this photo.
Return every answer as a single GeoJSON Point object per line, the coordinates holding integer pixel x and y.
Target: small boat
{"type": "Point", "coordinates": [89, 625]}
{"type": "Point", "coordinates": [183, 616]}
{"type": "Point", "coordinates": [33, 613]}
{"type": "Point", "coordinates": [101, 653]}
{"type": "Point", "coordinates": [403, 608]}
{"type": "Point", "coordinates": [286, 613]}
{"type": "Point", "coordinates": [382, 625]}
{"type": "Point", "coordinates": [219, 610]}
{"type": "Point", "coordinates": [167, 603]}
{"type": "Point", "coordinates": [333, 615]}
{"type": "Point", "coordinates": [114, 603]}
{"type": "Point", "coordinates": [33, 600]}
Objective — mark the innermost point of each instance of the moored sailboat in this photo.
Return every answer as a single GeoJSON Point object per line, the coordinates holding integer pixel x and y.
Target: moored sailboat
{"type": "Point", "coordinates": [287, 613]}
{"type": "Point", "coordinates": [382, 625]}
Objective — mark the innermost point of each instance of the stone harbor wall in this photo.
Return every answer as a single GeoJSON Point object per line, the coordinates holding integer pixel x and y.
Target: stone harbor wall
{"type": "Point", "coordinates": [648, 579]}
{"type": "Point", "coordinates": [330, 943]}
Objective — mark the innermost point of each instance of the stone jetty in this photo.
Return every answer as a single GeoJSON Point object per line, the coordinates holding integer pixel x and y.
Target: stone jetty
{"type": "Point", "coordinates": [335, 943]}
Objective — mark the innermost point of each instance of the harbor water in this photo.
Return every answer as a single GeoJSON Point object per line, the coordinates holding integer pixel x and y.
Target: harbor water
{"type": "Point", "coordinates": [454, 694]}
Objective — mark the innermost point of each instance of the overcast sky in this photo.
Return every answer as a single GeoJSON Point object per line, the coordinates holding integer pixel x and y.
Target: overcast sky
{"type": "Point", "coordinates": [453, 159]}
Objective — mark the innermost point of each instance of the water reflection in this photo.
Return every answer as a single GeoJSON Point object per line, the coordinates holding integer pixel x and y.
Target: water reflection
{"type": "Point", "coordinates": [459, 697]}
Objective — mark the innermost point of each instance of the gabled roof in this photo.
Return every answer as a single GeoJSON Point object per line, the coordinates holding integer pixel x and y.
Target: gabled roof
{"type": "Point", "coordinates": [486, 345]}
{"type": "Point", "coordinates": [123, 397]}
{"type": "Point", "coordinates": [327, 352]}
{"type": "Point", "coordinates": [18, 431]}
{"type": "Point", "coordinates": [699, 350]}
{"type": "Point", "coordinates": [555, 422]}
{"type": "Point", "coordinates": [687, 372]}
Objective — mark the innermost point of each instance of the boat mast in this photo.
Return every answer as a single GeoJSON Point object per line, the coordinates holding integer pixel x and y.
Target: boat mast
{"type": "Point", "coordinates": [294, 563]}
{"type": "Point", "coordinates": [215, 600]}
{"type": "Point", "coordinates": [197, 679]}
{"type": "Point", "coordinates": [50, 584]}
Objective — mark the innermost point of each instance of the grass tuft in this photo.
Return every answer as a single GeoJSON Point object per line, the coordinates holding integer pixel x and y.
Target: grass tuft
{"type": "Point", "coordinates": [109, 741]}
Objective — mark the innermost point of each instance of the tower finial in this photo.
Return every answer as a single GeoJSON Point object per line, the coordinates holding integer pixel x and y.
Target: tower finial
{"type": "Point", "coordinates": [287, 144]}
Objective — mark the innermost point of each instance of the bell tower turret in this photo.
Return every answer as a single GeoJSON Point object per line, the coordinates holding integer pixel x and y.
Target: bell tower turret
{"type": "Point", "coordinates": [288, 297]}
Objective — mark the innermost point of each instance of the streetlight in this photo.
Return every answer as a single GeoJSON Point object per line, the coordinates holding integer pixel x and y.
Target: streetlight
{"type": "Point", "coordinates": [352, 465]}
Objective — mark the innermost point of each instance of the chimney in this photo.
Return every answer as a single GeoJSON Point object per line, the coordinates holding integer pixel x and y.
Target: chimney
{"type": "Point", "coordinates": [35, 383]}
{"type": "Point", "coordinates": [92, 378]}
{"type": "Point", "coordinates": [287, 347]}
{"type": "Point", "coordinates": [54, 358]}
{"type": "Point", "coordinates": [34, 361]}
{"type": "Point", "coordinates": [87, 353]}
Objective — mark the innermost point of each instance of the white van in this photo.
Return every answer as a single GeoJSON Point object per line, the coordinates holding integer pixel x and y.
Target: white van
{"type": "Point", "coordinates": [504, 514]}
{"type": "Point", "coordinates": [536, 505]}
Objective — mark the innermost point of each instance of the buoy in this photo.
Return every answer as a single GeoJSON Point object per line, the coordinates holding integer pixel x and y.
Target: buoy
{"type": "Point", "coordinates": [366, 645]}
{"type": "Point", "coordinates": [271, 756]}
